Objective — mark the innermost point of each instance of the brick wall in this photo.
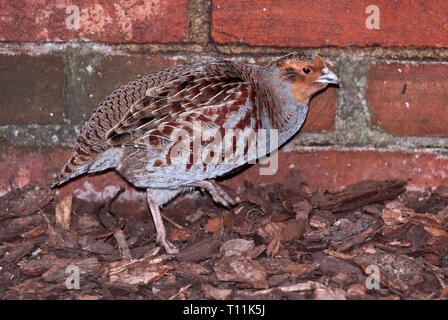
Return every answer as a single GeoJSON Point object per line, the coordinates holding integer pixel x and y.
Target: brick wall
{"type": "Point", "coordinates": [388, 119]}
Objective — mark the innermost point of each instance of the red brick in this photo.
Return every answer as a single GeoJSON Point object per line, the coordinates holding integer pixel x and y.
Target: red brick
{"type": "Point", "coordinates": [100, 20]}
{"type": "Point", "coordinates": [409, 99]}
{"type": "Point", "coordinates": [321, 116]}
{"type": "Point", "coordinates": [32, 89]}
{"type": "Point", "coordinates": [304, 23]}
{"type": "Point", "coordinates": [113, 71]}
{"type": "Point", "coordinates": [332, 169]}
{"type": "Point", "coordinates": [322, 169]}
{"type": "Point", "coordinates": [19, 167]}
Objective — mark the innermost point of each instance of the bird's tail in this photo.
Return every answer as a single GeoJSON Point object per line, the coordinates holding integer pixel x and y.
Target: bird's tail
{"type": "Point", "coordinates": [110, 158]}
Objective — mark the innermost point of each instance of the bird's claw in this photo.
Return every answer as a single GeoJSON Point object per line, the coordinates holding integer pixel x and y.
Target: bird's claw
{"type": "Point", "coordinates": [169, 247]}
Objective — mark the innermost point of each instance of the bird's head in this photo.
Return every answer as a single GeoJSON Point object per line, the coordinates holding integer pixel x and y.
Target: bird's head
{"type": "Point", "coordinates": [305, 76]}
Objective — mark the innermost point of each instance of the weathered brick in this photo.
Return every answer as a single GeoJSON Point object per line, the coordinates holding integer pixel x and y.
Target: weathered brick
{"type": "Point", "coordinates": [113, 71]}
{"type": "Point", "coordinates": [20, 166]}
{"type": "Point", "coordinates": [32, 89]}
{"type": "Point", "coordinates": [305, 23]}
{"type": "Point", "coordinates": [321, 117]}
{"type": "Point", "coordinates": [99, 20]}
{"type": "Point", "coordinates": [330, 169]}
{"type": "Point", "coordinates": [409, 99]}
{"type": "Point", "coordinates": [333, 169]}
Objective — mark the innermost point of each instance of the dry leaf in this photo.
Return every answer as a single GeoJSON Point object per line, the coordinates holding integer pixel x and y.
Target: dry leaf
{"type": "Point", "coordinates": [277, 233]}
{"type": "Point", "coordinates": [215, 225]}
{"type": "Point", "coordinates": [241, 269]}
{"type": "Point", "coordinates": [179, 234]}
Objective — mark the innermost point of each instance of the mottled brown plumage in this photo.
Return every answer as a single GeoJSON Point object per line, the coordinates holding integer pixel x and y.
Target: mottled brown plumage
{"type": "Point", "coordinates": [143, 128]}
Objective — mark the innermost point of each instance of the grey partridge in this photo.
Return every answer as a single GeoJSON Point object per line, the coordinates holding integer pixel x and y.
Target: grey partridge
{"type": "Point", "coordinates": [147, 130]}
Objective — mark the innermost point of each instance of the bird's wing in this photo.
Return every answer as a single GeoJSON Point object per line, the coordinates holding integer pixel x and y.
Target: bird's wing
{"type": "Point", "coordinates": [213, 96]}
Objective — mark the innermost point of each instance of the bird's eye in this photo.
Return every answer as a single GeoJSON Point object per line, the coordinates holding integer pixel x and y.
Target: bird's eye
{"type": "Point", "coordinates": [306, 70]}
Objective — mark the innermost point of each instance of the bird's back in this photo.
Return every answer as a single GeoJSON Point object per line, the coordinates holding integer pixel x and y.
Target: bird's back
{"type": "Point", "coordinates": [92, 140]}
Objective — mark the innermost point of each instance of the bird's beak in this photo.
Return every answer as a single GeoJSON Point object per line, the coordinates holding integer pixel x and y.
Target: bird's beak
{"type": "Point", "coordinates": [328, 77]}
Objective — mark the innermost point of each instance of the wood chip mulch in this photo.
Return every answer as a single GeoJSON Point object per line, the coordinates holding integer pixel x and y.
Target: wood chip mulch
{"type": "Point", "coordinates": [372, 240]}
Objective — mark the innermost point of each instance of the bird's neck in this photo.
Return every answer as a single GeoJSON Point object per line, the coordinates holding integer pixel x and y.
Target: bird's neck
{"type": "Point", "coordinates": [276, 106]}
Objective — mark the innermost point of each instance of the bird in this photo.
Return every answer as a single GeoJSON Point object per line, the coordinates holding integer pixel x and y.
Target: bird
{"type": "Point", "coordinates": [146, 129]}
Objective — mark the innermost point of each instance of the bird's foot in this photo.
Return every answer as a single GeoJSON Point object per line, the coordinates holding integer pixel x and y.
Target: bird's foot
{"type": "Point", "coordinates": [160, 228]}
{"type": "Point", "coordinates": [216, 191]}
{"type": "Point", "coordinates": [169, 247]}
{"type": "Point", "coordinates": [222, 196]}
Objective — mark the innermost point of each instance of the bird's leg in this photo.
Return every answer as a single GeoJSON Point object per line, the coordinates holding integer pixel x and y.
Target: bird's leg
{"type": "Point", "coordinates": [218, 194]}
{"type": "Point", "coordinates": [160, 228]}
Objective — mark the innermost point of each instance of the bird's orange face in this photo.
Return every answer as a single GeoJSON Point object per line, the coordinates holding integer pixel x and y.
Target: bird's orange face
{"type": "Point", "coordinates": [306, 78]}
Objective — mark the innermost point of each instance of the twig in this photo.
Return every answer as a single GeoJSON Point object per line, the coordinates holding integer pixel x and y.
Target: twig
{"type": "Point", "coordinates": [338, 255]}
{"type": "Point", "coordinates": [172, 222]}
{"type": "Point", "coordinates": [43, 214]}
{"type": "Point", "coordinates": [123, 247]}
{"type": "Point", "coordinates": [180, 291]}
